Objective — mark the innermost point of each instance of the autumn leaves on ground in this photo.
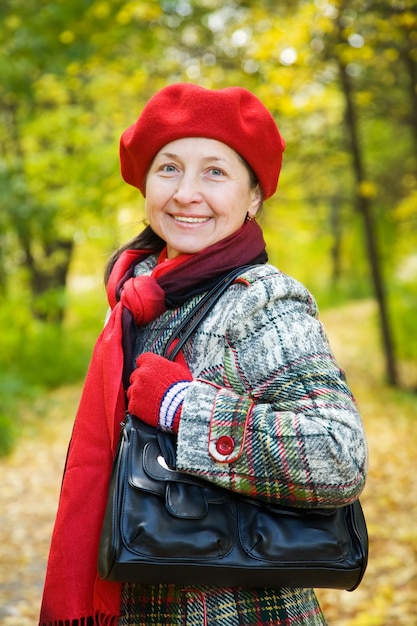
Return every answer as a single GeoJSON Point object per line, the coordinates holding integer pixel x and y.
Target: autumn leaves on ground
{"type": "Point", "coordinates": [30, 482]}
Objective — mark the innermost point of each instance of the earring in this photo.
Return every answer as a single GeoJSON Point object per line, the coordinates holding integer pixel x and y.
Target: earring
{"type": "Point", "coordinates": [249, 217]}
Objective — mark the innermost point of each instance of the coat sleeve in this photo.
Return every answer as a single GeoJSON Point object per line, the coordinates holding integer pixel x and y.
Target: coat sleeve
{"type": "Point", "coordinates": [270, 414]}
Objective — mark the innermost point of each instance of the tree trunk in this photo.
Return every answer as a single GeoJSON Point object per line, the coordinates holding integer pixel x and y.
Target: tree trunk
{"type": "Point", "coordinates": [48, 275]}
{"type": "Point", "coordinates": [46, 261]}
{"type": "Point", "coordinates": [411, 65]}
{"type": "Point", "coordinates": [335, 252]}
{"type": "Point", "coordinates": [364, 207]}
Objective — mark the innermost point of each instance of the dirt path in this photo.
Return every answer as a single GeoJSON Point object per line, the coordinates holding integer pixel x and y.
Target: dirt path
{"type": "Point", "coordinates": [30, 482]}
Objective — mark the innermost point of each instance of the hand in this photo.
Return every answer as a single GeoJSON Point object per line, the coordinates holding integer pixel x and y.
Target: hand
{"type": "Point", "coordinates": [157, 390]}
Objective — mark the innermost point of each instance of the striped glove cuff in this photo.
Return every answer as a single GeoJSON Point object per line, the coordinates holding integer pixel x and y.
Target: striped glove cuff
{"type": "Point", "coordinates": [171, 405]}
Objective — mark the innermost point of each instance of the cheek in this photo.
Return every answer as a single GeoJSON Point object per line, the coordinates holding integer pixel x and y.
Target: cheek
{"type": "Point", "coordinates": [151, 212]}
{"type": "Point", "coordinates": [152, 201]}
{"type": "Point", "coordinates": [158, 194]}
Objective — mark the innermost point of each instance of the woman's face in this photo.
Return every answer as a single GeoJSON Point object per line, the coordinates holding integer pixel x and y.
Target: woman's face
{"type": "Point", "coordinates": [197, 193]}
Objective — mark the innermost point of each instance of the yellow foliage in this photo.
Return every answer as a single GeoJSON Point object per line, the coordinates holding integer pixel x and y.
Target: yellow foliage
{"type": "Point", "coordinates": [138, 11]}
{"type": "Point", "coordinates": [50, 89]}
{"type": "Point", "coordinates": [73, 68]}
{"type": "Point", "coordinates": [101, 10]}
{"type": "Point", "coordinates": [406, 208]}
{"type": "Point", "coordinates": [66, 37]}
{"type": "Point", "coordinates": [364, 98]}
{"type": "Point", "coordinates": [391, 54]}
{"type": "Point", "coordinates": [408, 19]}
{"type": "Point", "coordinates": [367, 189]}
{"type": "Point", "coordinates": [13, 21]}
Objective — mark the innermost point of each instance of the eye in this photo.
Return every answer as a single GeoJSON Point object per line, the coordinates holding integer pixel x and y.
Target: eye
{"type": "Point", "coordinates": [216, 172]}
{"type": "Point", "coordinates": [168, 168]}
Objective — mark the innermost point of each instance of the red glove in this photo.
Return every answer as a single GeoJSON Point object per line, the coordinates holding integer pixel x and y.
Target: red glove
{"type": "Point", "coordinates": [157, 390]}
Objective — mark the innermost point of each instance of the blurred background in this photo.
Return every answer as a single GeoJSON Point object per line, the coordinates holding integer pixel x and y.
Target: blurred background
{"type": "Point", "coordinates": [340, 78]}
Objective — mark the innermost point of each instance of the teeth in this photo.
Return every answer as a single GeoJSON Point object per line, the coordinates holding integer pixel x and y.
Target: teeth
{"type": "Point", "coordinates": [191, 220]}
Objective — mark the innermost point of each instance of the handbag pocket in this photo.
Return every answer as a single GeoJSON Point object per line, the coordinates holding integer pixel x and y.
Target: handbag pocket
{"type": "Point", "coordinates": [166, 506]}
{"type": "Point", "coordinates": [271, 533]}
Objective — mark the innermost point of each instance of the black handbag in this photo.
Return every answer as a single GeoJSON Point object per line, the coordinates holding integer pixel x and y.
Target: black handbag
{"type": "Point", "coordinates": [164, 526]}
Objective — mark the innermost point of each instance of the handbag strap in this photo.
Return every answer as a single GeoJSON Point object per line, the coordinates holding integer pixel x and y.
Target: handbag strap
{"type": "Point", "coordinates": [184, 330]}
{"type": "Point", "coordinates": [166, 440]}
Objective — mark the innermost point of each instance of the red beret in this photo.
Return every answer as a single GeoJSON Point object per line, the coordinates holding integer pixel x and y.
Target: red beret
{"type": "Point", "coordinates": [233, 116]}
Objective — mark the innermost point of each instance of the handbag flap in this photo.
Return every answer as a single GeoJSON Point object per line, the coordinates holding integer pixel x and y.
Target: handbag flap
{"type": "Point", "coordinates": [157, 468]}
{"type": "Point", "coordinates": [149, 471]}
{"type": "Point", "coordinates": [186, 501]}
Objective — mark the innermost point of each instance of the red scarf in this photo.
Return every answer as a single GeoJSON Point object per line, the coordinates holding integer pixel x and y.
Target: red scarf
{"type": "Point", "coordinates": [73, 590]}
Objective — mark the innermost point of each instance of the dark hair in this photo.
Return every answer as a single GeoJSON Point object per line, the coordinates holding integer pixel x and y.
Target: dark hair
{"type": "Point", "coordinates": [149, 240]}
{"type": "Point", "coordinates": [145, 240]}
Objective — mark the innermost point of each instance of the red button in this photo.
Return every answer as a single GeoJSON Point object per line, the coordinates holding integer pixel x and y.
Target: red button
{"type": "Point", "coordinates": [225, 445]}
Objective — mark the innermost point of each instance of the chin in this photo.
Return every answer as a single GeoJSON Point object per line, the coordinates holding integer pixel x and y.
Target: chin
{"type": "Point", "coordinates": [188, 249]}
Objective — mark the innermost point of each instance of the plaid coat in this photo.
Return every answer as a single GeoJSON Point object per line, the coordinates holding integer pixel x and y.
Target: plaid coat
{"type": "Point", "coordinates": [266, 382]}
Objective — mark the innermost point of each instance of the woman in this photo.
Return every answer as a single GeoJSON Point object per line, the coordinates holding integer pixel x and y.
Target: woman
{"type": "Point", "coordinates": [256, 398]}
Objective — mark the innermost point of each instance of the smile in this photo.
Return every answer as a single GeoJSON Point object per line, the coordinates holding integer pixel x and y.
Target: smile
{"type": "Point", "coordinates": [191, 220]}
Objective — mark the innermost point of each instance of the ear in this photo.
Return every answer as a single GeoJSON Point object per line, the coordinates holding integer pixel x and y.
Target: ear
{"type": "Point", "coordinates": [256, 201]}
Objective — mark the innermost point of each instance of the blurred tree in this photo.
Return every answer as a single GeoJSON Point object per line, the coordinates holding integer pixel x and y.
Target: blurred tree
{"type": "Point", "coordinates": [38, 108]}
{"type": "Point", "coordinates": [73, 75]}
{"type": "Point", "coordinates": [354, 32]}
{"type": "Point", "coordinates": [364, 193]}
{"type": "Point", "coordinates": [340, 44]}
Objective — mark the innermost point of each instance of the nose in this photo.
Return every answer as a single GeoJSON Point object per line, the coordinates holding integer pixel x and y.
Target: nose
{"type": "Point", "coordinates": [188, 190]}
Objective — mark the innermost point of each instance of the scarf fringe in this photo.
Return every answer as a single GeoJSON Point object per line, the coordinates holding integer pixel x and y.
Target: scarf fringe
{"type": "Point", "coordinates": [99, 620]}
